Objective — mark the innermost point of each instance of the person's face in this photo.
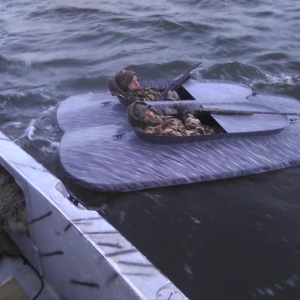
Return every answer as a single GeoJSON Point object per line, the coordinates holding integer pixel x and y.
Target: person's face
{"type": "Point", "coordinates": [134, 84]}
{"type": "Point", "coordinates": [152, 118]}
{"type": "Point", "coordinates": [149, 115]}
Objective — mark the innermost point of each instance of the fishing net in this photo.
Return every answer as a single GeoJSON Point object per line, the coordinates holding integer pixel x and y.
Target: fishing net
{"type": "Point", "coordinates": [12, 204]}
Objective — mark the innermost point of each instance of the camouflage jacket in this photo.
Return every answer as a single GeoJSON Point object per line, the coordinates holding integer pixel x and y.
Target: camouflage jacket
{"type": "Point", "coordinates": [144, 94]}
{"type": "Point", "coordinates": [174, 126]}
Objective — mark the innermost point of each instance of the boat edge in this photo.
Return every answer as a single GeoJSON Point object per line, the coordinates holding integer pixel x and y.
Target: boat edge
{"type": "Point", "coordinates": [125, 271]}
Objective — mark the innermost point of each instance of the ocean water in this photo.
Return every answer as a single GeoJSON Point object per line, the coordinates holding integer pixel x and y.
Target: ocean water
{"type": "Point", "coordinates": [234, 239]}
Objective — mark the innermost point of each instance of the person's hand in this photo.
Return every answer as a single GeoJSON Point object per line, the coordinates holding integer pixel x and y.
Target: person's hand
{"type": "Point", "coordinates": [182, 110]}
{"type": "Point", "coordinates": [200, 130]}
{"type": "Point", "coordinates": [172, 96]}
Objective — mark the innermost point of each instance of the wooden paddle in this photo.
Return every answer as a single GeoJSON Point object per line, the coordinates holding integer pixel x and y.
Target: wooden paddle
{"type": "Point", "coordinates": [221, 111]}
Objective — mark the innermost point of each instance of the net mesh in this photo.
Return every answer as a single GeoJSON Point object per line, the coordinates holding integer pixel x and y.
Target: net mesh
{"type": "Point", "coordinates": [12, 204]}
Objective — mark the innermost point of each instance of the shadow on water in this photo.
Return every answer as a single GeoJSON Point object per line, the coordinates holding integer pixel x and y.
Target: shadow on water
{"type": "Point", "coordinates": [228, 239]}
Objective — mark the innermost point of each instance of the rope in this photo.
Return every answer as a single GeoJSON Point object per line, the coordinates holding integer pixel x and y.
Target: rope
{"type": "Point", "coordinates": [25, 261]}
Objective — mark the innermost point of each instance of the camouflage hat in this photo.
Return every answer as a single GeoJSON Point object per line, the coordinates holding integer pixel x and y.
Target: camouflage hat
{"type": "Point", "coordinates": [135, 112]}
{"type": "Point", "coordinates": [140, 109]}
{"type": "Point", "coordinates": [124, 78]}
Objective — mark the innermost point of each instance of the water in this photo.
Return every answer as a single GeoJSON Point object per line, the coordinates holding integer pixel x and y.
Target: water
{"type": "Point", "coordinates": [237, 239]}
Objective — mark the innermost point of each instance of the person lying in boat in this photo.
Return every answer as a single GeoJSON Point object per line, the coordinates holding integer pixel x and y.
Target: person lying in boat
{"type": "Point", "coordinates": [145, 118]}
{"type": "Point", "coordinates": [126, 85]}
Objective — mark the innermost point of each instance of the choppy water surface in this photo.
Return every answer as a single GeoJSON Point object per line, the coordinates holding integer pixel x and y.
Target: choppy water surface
{"type": "Point", "coordinates": [237, 239]}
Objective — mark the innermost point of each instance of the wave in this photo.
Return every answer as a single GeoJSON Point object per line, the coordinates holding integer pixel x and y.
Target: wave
{"type": "Point", "coordinates": [62, 11]}
{"type": "Point", "coordinates": [83, 84]}
{"type": "Point", "coordinates": [40, 134]}
{"type": "Point", "coordinates": [294, 65]}
{"type": "Point", "coordinates": [61, 63]}
{"type": "Point", "coordinates": [260, 81]}
{"type": "Point", "coordinates": [272, 56]}
{"type": "Point", "coordinates": [178, 27]}
{"type": "Point", "coordinates": [72, 14]}
{"type": "Point", "coordinates": [16, 68]}
{"type": "Point", "coordinates": [5, 63]}
{"type": "Point", "coordinates": [234, 71]}
{"type": "Point", "coordinates": [146, 71]}
{"type": "Point", "coordinates": [26, 102]}
{"type": "Point", "coordinates": [159, 71]}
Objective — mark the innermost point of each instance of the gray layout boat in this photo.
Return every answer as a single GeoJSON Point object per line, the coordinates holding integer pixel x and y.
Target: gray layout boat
{"type": "Point", "coordinates": [101, 151]}
{"type": "Point", "coordinates": [61, 234]}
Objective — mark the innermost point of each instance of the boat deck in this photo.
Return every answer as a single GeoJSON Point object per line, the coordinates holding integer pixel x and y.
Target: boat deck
{"type": "Point", "coordinates": [31, 284]}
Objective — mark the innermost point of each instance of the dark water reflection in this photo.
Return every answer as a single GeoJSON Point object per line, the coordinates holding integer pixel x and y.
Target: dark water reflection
{"type": "Point", "coordinates": [232, 239]}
